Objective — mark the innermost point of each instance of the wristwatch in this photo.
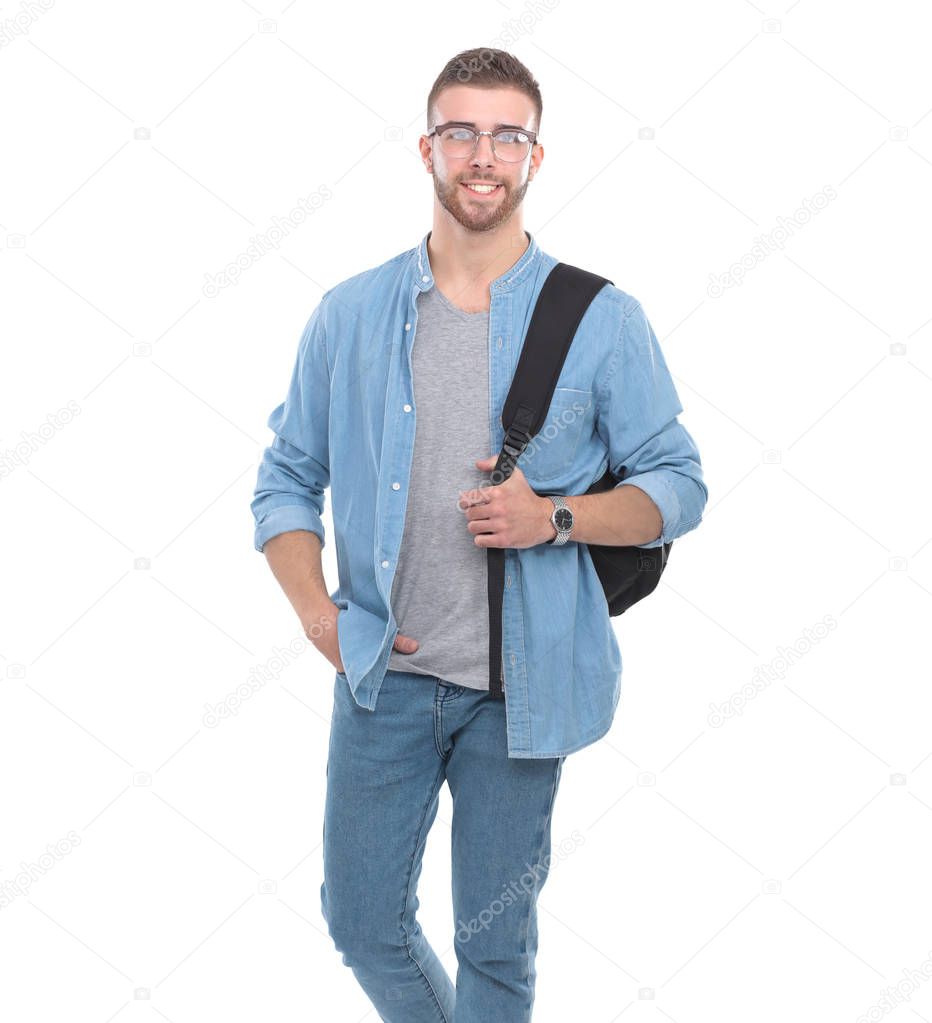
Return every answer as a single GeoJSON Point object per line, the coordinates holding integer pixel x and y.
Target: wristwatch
{"type": "Point", "coordinates": [562, 519]}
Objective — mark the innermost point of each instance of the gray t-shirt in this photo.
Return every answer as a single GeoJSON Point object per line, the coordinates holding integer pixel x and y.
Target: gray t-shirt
{"type": "Point", "coordinates": [440, 589]}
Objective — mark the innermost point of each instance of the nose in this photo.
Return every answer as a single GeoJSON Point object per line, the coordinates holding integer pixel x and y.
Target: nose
{"type": "Point", "coordinates": [483, 156]}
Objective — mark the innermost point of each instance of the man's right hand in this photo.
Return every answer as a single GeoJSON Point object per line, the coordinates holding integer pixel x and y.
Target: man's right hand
{"type": "Point", "coordinates": [322, 631]}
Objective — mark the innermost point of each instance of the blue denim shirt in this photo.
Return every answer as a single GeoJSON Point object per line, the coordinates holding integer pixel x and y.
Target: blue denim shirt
{"type": "Point", "coordinates": [348, 422]}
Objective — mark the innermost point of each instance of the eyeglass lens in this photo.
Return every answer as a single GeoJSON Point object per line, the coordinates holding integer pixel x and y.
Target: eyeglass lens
{"type": "Point", "coordinates": [509, 145]}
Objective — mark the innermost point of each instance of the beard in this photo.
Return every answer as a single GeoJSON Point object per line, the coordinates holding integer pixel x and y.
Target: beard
{"type": "Point", "coordinates": [478, 215]}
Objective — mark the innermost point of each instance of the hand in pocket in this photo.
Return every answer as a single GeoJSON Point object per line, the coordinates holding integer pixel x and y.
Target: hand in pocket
{"type": "Point", "coordinates": [322, 632]}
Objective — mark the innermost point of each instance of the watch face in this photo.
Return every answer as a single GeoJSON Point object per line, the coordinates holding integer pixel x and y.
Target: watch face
{"type": "Point", "coordinates": [563, 518]}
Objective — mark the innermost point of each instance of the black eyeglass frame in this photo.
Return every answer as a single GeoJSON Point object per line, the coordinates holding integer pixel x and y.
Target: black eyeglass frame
{"type": "Point", "coordinates": [532, 136]}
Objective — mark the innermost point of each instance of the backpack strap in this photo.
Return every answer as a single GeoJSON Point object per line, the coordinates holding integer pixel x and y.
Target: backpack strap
{"type": "Point", "coordinates": [563, 300]}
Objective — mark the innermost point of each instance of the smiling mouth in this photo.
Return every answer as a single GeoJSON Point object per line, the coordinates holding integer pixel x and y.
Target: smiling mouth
{"type": "Point", "coordinates": [482, 191]}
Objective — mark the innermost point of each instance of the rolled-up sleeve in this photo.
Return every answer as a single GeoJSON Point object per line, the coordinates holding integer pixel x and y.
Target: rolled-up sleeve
{"type": "Point", "coordinates": [295, 468]}
{"type": "Point", "coordinates": [637, 419]}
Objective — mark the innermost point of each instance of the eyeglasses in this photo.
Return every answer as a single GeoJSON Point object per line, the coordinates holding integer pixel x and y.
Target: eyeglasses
{"type": "Point", "coordinates": [509, 144]}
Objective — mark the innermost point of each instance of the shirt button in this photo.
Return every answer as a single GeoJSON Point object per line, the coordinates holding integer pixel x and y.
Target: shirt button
{"type": "Point", "coordinates": [507, 580]}
{"type": "Point", "coordinates": [407, 326]}
{"type": "Point", "coordinates": [396, 486]}
{"type": "Point", "coordinates": [425, 278]}
{"type": "Point", "coordinates": [513, 659]}
{"type": "Point", "coordinates": [407, 408]}
{"type": "Point", "coordinates": [384, 564]}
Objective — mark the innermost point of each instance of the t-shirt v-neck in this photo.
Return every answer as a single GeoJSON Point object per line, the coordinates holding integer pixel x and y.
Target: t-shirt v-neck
{"type": "Point", "coordinates": [456, 309]}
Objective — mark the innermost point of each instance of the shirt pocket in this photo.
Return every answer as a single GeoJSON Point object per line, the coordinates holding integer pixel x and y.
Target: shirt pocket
{"type": "Point", "coordinates": [552, 450]}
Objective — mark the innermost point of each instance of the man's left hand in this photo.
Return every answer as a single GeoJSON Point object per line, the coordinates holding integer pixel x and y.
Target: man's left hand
{"type": "Point", "coordinates": [508, 515]}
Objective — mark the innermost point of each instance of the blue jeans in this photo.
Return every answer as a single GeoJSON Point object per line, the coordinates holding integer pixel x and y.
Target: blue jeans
{"type": "Point", "coordinates": [384, 773]}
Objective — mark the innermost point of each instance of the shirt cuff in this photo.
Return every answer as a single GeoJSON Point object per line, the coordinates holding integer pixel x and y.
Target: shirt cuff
{"type": "Point", "coordinates": [285, 519]}
{"type": "Point", "coordinates": [659, 489]}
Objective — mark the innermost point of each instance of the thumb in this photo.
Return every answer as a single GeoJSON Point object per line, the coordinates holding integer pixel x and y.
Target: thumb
{"type": "Point", "coordinates": [406, 644]}
{"type": "Point", "coordinates": [487, 463]}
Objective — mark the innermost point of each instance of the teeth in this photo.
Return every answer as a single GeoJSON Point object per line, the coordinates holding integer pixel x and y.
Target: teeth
{"type": "Point", "coordinates": [482, 188]}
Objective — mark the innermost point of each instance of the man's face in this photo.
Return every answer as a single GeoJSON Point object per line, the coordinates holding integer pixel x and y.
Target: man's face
{"type": "Point", "coordinates": [486, 108]}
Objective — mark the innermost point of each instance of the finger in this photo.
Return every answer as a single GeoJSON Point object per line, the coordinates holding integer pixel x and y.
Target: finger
{"type": "Point", "coordinates": [483, 524]}
{"type": "Point", "coordinates": [488, 540]}
{"type": "Point", "coordinates": [471, 497]}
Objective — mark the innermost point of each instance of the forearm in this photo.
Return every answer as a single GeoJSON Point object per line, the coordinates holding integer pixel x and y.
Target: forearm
{"type": "Point", "coordinates": [295, 560]}
{"type": "Point", "coordinates": [622, 517]}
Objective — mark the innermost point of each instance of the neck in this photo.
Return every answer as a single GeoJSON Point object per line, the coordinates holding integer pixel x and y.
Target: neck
{"type": "Point", "coordinates": [468, 261]}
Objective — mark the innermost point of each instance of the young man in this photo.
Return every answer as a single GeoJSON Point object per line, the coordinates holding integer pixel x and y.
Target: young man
{"type": "Point", "coordinates": [407, 629]}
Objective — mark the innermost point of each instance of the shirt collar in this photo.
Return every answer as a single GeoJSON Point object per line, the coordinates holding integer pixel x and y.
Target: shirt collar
{"type": "Point", "coordinates": [514, 275]}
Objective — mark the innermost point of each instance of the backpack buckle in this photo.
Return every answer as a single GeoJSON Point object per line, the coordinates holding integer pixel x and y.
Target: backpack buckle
{"type": "Point", "coordinates": [517, 438]}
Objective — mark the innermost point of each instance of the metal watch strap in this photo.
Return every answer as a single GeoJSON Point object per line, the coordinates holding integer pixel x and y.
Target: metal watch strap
{"type": "Point", "coordinates": [563, 535]}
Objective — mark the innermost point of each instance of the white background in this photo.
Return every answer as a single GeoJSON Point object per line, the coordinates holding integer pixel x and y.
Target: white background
{"type": "Point", "coordinates": [766, 866]}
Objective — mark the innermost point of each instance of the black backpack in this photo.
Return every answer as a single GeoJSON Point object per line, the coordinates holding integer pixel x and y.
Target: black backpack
{"type": "Point", "coordinates": [627, 574]}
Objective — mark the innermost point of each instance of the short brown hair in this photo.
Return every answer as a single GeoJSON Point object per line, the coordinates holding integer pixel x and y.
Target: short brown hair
{"type": "Point", "coordinates": [485, 68]}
